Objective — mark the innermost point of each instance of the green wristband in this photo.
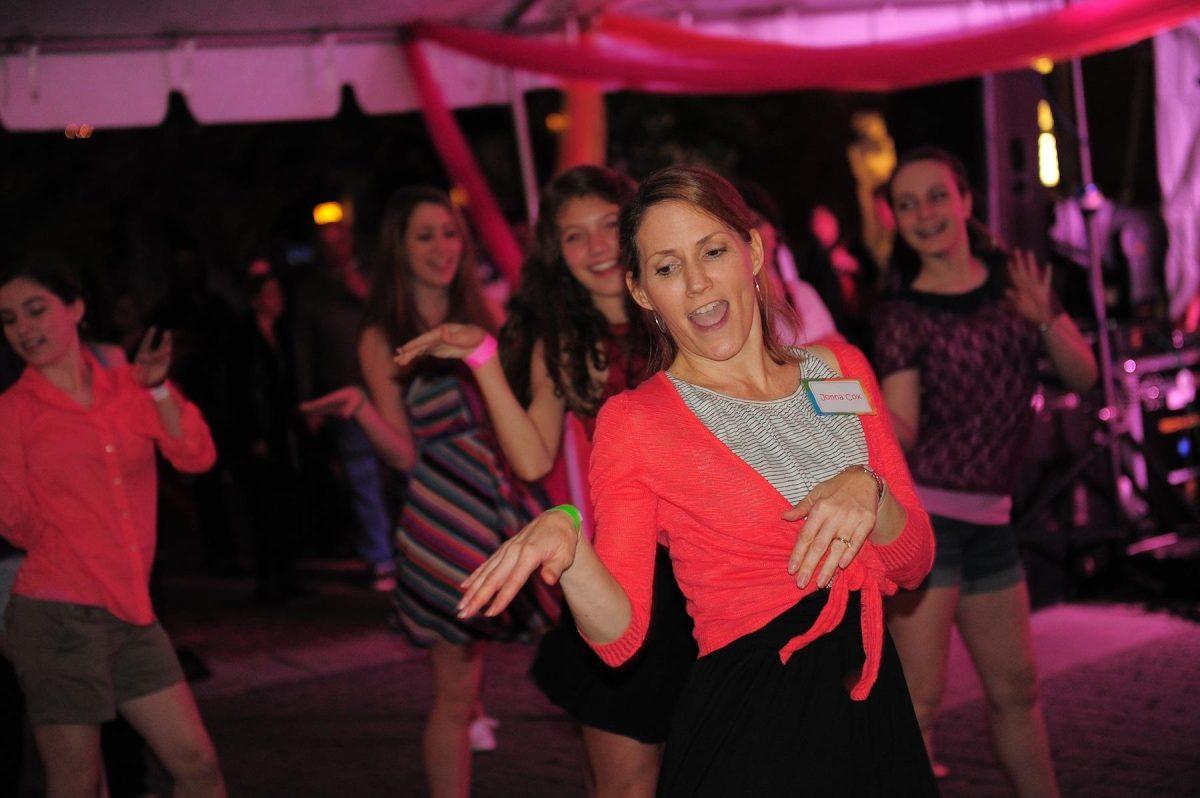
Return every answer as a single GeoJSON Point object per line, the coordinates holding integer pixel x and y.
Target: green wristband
{"type": "Point", "coordinates": [572, 511]}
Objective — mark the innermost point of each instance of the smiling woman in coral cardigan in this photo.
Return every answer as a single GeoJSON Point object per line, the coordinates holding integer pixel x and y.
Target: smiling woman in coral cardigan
{"type": "Point", "coordinates": [788, 515]}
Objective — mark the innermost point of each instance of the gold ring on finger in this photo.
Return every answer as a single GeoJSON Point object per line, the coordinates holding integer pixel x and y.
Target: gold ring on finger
{"type": "Point", "coordinates": [843, 541]}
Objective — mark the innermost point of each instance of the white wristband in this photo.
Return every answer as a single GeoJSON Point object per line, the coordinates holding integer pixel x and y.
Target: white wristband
{"type": "Point", "coordinates": [160, 392]}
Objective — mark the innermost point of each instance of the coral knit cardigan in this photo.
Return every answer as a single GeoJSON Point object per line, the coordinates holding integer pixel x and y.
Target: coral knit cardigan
{"type": "Point", "coordinates": [658, 473]}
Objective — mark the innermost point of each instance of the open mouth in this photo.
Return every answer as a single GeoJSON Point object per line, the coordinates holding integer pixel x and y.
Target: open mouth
{"type": "Point", "coordinates": [932, 230]}
{"type": "Point", "coordinates": [603, 268]}
{"type": "Point", "coordinates": [710, 315]}
{"type": "Point", "coordinates": [31, 345]}
{"type": "Point", "coordinates": [442, 267]}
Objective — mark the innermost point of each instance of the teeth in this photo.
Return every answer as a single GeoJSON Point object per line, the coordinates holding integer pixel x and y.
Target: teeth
{"type": "Point", "coordinates": [710, 315]}
{"type": "Point", "coordinates": [602, 267]}
{"type": "Point", "coordinates": [710, 307]}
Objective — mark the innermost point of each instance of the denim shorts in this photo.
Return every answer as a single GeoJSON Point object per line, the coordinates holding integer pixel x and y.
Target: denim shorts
{"type": "Point", "coordinates": [977, 558]}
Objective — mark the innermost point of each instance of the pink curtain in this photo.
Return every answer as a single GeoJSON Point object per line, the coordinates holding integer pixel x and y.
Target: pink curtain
{"type": "Point", "coordinates": [585, 140]}
{"type": "Point", "coordinates": [495, 234]}
{"type": "Point", "coordinates": [658, 56]}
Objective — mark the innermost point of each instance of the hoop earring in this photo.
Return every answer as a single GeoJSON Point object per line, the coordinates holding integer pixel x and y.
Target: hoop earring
{"type": "Point", "coordinates": [658, 323]}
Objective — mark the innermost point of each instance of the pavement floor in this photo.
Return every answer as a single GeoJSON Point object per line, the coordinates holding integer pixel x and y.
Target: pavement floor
{"type": "Point", "coordinates": [318, 698]}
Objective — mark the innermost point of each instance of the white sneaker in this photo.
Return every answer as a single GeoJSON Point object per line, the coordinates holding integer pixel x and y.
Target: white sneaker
{"type": "Point", "coordinates": [481, 733]}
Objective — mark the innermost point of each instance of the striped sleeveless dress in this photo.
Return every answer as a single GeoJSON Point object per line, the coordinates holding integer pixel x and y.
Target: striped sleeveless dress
{"type": "Point", "coordinates": [463, 502]}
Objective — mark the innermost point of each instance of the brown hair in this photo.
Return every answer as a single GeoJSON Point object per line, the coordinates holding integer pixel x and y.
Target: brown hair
{"type": "Point", "coordinates": [905, 264]}
{"type": "Point", "coordinates": [390, 304]}
{"type": "Point", "coordinates": [715, 196]}
{"type": "Point", "coordinates": [550, 305]}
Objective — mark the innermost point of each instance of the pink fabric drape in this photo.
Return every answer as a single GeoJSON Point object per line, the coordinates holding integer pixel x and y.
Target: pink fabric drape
{"type": "Point", "coordinates": [585, 140]}
{"type": "Point", "coordinates": [497, 237]}
{"type": "Point", "coordinates": [659, 56]}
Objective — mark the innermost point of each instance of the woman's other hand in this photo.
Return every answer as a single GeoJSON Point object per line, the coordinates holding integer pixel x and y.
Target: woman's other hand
{"type": "Point", "coordinates": [841, 510]}
{"type": "Point", "coordinates": [448, 341]}
{"type": "Point", "coordinates": [151, 363]}
{"type": "Point", "coordinates": [1031, 292]}
{"type": "Point", "coordinates": [343, 403]}
{"type": "Point", "coordinates": [547, 544]}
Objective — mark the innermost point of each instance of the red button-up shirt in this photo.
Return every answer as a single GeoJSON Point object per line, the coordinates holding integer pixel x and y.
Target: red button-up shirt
{"type": "Point", "coordinates": [78, 487]}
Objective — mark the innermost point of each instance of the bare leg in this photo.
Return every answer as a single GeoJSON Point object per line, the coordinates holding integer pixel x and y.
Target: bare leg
{"type": "Point", "coordinates": [71, 756]}
{"type": "Point", "coordinates": [920, 622]}
{"type": "Point", "coordinates": [457, 675]}
{"type": "Point", "coordinates": [620, 767]}
{"type": "Point", "coordinates": [995, 627]}
{"type": "Point", "coordinates": [170, 722]}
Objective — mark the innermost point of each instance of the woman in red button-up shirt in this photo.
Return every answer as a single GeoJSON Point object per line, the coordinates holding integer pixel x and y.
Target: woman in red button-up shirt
{"type": "Point", "coordinates": [77, 492]}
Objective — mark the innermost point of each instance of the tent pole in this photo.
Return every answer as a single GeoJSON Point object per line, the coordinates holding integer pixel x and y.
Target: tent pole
{"type": "Point", "coordinates": [524, 147]}
{"type": "Point", "coordinates": [1090, 203]}
{"type": "Point", "coordinates": [991, 126]}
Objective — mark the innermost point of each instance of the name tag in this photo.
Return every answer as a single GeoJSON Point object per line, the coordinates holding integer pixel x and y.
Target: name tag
{"type": "Point", "coordinates": [839, 397]}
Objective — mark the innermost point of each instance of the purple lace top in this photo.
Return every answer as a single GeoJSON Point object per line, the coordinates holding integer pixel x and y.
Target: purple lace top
{"type": "Point", "coordinates": [977, 360]}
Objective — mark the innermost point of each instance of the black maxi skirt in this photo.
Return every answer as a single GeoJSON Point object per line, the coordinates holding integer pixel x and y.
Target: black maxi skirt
{"type": "Point", "coordinates": [637, 699]}
{"type": "Point", "coordinates": [746, 724]}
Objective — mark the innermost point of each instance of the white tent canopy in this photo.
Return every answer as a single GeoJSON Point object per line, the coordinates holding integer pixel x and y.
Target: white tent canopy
{"type": "Point", "coordinates": [114, 64]}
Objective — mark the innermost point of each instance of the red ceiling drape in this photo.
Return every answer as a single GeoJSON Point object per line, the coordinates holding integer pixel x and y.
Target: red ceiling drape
{"type": "Point", "coordinates": [658, 56]}
{"type": "Point", "coordinates": [495, 234]}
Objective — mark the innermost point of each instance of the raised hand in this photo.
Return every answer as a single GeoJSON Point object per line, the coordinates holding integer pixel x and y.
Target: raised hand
{"type": "Point", "coordinates": [343, 403]}
{"type": "Point", "coordinates": [548, 544]}
{"type": "Point", "coordinates": [1031, 292]}
{"type": "Point", "coordinates": [445, 340]}
{"type": "Point", "coordinates": [842, 511]}
{"type": "Point", "coordinates": [151, 363]}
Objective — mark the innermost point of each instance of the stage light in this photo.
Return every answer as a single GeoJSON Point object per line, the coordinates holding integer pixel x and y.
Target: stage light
{"type": "Point", "coordinates": [328, 213]}
{"type": "Point", "coordinates": [85, 131]}
{"type": "Point", "coordinates": [557, 122]}
{"type": "Point", "coordinates": [1048, 160]}
{"type": "Point", "coordinates": [72, 131]}
{"type": "Point", "coordinates": [1045, 117]}
{"type": "Point", "coordinates": [1043, 65]}
{"type": "Point", "coordinates": [459, 196]}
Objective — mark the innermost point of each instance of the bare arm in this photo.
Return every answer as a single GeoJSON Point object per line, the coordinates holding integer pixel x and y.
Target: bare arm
{"type": "Point", "coordinates": [383, 417]}
{"type": "Point", "coordinates": [902, 394]}
{"type": "Point", "coordinates": [1033, 297]}
{"type": "Point", "coordinates": [187, 443]}
{"type": "Point", "coordinates": [610, 588]}
{"type": "Point", "coordinates": [552, 546]}
{"type": "Point", "coordinates": [529, 437]}
{"type": "Point", "coordinates": [1070, 353]}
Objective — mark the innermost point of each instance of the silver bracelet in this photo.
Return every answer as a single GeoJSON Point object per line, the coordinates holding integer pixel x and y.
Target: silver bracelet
{"type": "Point", "coordinates": [1046, 326]}
{"type": "Point", "coordinates": [160, 392]}
{"type": "Point", "coordinates": [880, 485]}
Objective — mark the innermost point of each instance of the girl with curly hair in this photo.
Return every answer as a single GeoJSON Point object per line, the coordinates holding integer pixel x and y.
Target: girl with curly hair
{"type": "Point", "coordinates": [572, 340]}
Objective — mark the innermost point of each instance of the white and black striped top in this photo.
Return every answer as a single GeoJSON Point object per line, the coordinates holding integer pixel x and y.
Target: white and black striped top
{"type": "Point", "coordinates": [784, 440]}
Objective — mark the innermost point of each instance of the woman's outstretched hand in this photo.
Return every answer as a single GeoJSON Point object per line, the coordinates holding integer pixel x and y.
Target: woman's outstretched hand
{"type": "Point", "coordinates": [448, 341]}
{"type": "Point", "coordinates": [151, 363]}
{"type": "Point", "coordinates": [1031, 292]}
{"type": "Point", "coordinates": [343, 403]}
{"type": "Point", "coordinates": [839, 515]}
{"type": "Point", "coordinates": [547, 544]}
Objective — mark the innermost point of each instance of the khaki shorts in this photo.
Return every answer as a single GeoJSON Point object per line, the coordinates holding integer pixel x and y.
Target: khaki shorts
{"type": "Point", "coordinates": [77, 664]}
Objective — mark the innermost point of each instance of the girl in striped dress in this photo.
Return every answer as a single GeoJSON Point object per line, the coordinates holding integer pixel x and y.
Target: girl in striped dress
{"type": "Point", "coordinates": [573, 340]}
{"type": "Point", "coordinates": [430, 421]}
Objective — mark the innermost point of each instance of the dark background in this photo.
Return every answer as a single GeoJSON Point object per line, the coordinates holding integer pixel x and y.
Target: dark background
{"type": "Point", "coordinates": [120, 202]}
